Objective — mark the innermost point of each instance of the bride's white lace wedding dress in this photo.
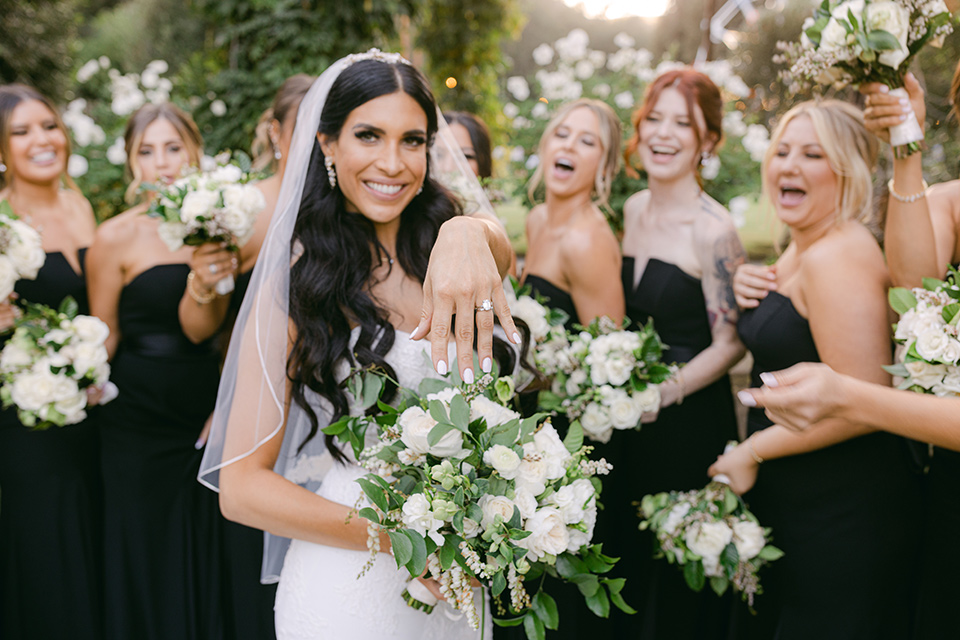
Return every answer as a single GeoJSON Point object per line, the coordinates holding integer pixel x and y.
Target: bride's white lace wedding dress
{"type": "Point", "coordinates": [320, 595]}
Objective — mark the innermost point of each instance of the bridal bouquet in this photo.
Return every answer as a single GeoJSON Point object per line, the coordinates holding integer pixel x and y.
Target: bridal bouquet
{"type": "Point", "coordinates": [467, 489]}
{"type": "Point", "coordinates": [214, 205]}
{"type": "Point", "coordinates": [21, 252]}
{"type": "Point", "coordinates": [710, 534]}
{"type": "Point", "coordinates": [928, 328]}
{"type": "Point", "coordinates": [607, 378]}
{"type": "Point", "coordinates": [857, 41]}
{"type": "Point", "coordinates": [48, 363]}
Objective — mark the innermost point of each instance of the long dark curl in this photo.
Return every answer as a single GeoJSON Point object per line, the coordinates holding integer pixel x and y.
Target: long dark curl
{"type": "Point", "coordinates": [329, 282]}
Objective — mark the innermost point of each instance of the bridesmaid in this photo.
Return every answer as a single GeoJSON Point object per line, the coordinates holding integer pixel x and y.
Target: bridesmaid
{"type": "Point", "coordinates": [162, 528]}
{"type": "Point", "coordinates": [680, 250]}
{"type": "Point", "coordinates": [50, 518]}
{"type": "Point", "coordinates": [572, 255]}
{"type": "Point", "coordinates": [827, 494]}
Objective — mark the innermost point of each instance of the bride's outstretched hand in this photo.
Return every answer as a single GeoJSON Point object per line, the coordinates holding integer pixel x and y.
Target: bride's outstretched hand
{"type": "Point", "coordinates": [463, 280]}
{"type": "Point", "coordinates": [799, 397]}
{"type": "Point", "coordinates": [883, 111]}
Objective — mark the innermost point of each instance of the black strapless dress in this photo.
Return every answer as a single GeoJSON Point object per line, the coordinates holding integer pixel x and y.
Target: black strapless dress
{"type": "Point", "coordinates": [51, 509]}
{"type": "Point", "coordinates": [556, 297]}
{"type": "Point", "coordinates": [672, 453]}
{"type": "Point", "coordinates": [847, 517]}
{"type": "Point", "coordinates": [167, 566]}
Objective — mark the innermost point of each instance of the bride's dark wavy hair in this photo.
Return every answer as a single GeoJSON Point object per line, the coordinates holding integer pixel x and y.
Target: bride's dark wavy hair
{"type": "Point", "coordinates": [328, 283]}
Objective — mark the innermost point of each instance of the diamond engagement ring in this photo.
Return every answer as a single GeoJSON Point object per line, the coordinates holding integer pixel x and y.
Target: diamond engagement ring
{"type": "Point", "coordinates": [485, 305]}
{"type": "Point", "coordinates": [213, 268]}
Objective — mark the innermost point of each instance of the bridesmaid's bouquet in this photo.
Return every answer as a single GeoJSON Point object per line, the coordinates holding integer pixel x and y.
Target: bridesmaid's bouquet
{"type": "Point", "coordinates": [710, 534]}
{"type": "Point", "coordinates": [21, 251]}
{"type": "Point", "coordinates": [856, 41]}
{"type": "Point", "coordinates": [929, 330]}
{"type": "Point", "coordinates": [48, 363]}
{"type": "Point", "coordinates": [549, 351]}
{"type": "Point", "coordinates": [214, 205]}
{"type": "Point", "coordinates": [467, 489]}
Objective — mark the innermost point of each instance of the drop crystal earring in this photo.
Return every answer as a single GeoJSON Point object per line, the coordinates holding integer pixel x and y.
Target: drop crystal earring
{"type": "Point", "coordinates": [331, 172]}
{"type": "Point", "coordinates": [3, 167]}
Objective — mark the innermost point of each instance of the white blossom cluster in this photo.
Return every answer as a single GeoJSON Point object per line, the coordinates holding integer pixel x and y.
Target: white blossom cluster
{"type": "Point", "coordinates": [21, 253]}
{"type": "Point", "coordinates": [932, 347]}
{"type": "Point", "coordinates": [207, 205]}
{"type": "Point", "coordinates": [48, 363]}
{"type": "Point", "coordinates": [710, 526]}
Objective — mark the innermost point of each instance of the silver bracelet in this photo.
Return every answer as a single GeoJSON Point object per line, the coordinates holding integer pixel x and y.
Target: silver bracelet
{"type": "Point", "coordinates": [913, 197]}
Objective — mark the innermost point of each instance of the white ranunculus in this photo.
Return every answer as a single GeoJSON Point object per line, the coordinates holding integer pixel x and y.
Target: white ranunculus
{"type": "Point", "coordinates": [833, 39]}
{"type": "Point", "coordinates": [198, 204]}
{"type": "Point", "coordinates": [504, 459]}
{"type": "Point", "coordinates": [647, 400]}
{"type": "Point", "coordinates": [675, 517]}
{"type": "Point", "coordinates": [494, 506]}
{"type": "Point", "coordinates": [624, 412]}
{"type": "Point", "coordinates": [416, 425]}
{"type": "Point", "coordinates": [492, 412]}
{"type": "Point", "coordinates": [549, 534]}
{"type": "Point", "coordinates": [893, 18]}
{"type": "Point", "coordinates": [416, 515]}
{"type": "Point", "coordinates": [525, 501]}
{"type": "Point", "coordinates": [708, 538]}
{"type": "Point", "coordinates": [90, 329]}
{"type": "Point", "coordinates": [931, 343]}
{"type": "Point", "coordinates": [748, 538]}
{"type": "Point", "coordinates": [8, 277]}
{"type": "Point", "coordinates": [596, 423]}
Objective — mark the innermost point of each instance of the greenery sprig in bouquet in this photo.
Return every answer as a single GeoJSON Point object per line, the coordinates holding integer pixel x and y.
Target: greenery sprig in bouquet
{"type": "Point", "coordinates": [216, 204]}
{"type": "Point", "coordinates": [929, 330]}
{"type": "Point", "coordinates": [710, 534]}
{"type": "Point", "coordinates": [48, 363]}
{"type": "Point", "coordinates": [855, 41]}
{"type": "Point", "coordinates": [466, 488]}
{"type": "Point", "coordinates": [21, 251]}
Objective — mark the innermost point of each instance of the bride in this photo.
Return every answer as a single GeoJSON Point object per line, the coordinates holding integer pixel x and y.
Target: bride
{"type": "Point", "coordinates": [344, 280]}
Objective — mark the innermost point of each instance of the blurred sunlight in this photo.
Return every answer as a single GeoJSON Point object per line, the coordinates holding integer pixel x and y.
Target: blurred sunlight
{"type": "Point", "coordinates": [614, 9]}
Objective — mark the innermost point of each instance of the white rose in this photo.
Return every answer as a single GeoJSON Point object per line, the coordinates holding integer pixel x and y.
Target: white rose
{"type": "Point", "coordinates": [90, 329]}
{"type": "Point", "coordinates": [228, 173]}
{"type": "Point", "coordinates": [619, 370]}
{"type": "Point", "coordinates": [494, 506]}
{"type": "Point", "coordinates": [26, 250]}
{"type": "Point", "coordinates": [8, 277]}
{"type": "Point", "coordinates": [833, 39]}
{"type": "Point", "coordinates": [624, 412]}
{"type": "Point", "coordinates": [416, 515]}
{"type": "Point", "coordinates": [56, 336]}
{"type": "Point", "coordinates": [950, 385]}
{"type": "Point", "coordinates": [504, 459]}
{"type": "Point", "coordinates": [708, 538]}
{"type": "Point", "coordinates": [547, 441]}
{"type": "Point", "coordinates": [574, 383]}
{"type": "Point", "coordinates": [565, 499]}
{"type": "Point", "coordinates": [87, 356]}
{"type": "Point", "coordinates": [13, 357]}
{"type": "Point", "coordinates": [951, 353]}
{"type": "Point", "coordinates": [905, 325]}
{"type": "Point", "coordinates": [444, 395]}
{"type": "Point", "coordinates": [73, 407]}
{"type": "Point", "coordinates": [748, 538]}
{"type": "Point", "coordinates": [198, 204]}
{"type": "Point", "coordinates": [549, 534]}
{"type": "Point", "coordinates": [675, 518]}
{"type": "Point", "coordinates": [525, 501]}
{"type": "Point", "coordinates": [596, 423]}
{"type": "Point", "coordinates": [172, 234]}
{"type": "Point", "coordinates": [33, 390]}
{"type": "Point", "coordinates": [932, 343]}
{"type": "Point", "coordinates": [64, 388]}
{"type": "Point", "coordinates": [532, 313]}
{"type": "Point", "coordinates": [471, 528]}
{"type": "Point", "coordinates": [492, 412]}
{"type": "Point", "coordinates": [711, 566]}
{"type": "Point", "coordinates": [895, 20]}
{"type": "Point", "coordinates": [416, 424]}
{"type": "Point", "coordinates": [532, 473]}
{"type": "Point", "coordinates": [648, 399]}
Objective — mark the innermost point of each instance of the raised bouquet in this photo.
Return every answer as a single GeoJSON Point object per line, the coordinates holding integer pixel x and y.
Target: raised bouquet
{"type": "Point", "coordinates": [213, 205]}
{"type": "Point", "coordinates": [857, 41]}
{"type": "Point", "coordinates": [710, 534]}
{"type": "Point", "coordinates": [48, 363]}
{"type": "Point", "coordinates": [467, 489]}
{"type": "Point", "coordinates": [21, 251]}
{"type": "Point", "coordinates": [928, 330]}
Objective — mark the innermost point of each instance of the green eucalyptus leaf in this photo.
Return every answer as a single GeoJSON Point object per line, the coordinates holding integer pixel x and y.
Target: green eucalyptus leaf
{"type": "Point", "coordinates": [460, 413]}
{"type": "Point", "coordinates": [574, 438]}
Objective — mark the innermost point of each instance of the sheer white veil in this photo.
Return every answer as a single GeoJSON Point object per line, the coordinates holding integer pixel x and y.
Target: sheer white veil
{"type": "Point", "coordinates": [250, 403]}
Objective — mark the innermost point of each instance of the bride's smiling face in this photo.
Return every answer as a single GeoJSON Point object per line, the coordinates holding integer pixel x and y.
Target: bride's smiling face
{"type": "Point", "coordinates": [380, 156]}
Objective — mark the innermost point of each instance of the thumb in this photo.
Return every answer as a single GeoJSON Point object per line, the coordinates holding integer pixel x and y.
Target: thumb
{"type": "Point", "coordinates": [911, 84]}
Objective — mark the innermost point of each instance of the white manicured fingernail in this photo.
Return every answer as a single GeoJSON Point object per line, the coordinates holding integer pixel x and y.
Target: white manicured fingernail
{"type": "Point", "coordinates": [905, 102]}
{"type": "Point", "coordinates": [442, 367]}
{"type": "Point", "coordinates": [769, 379]}
{"type": "Point", "coordinates": [416, 334]}
{"type": "Point", "coordinates": [903, 117]}
{"type": "Point", "coordinates": [516, 338]}
{"type": "Point", "coordinates": [746, 398]}
{"type": "Point", "coordinates": [468, 376]}
{"type": "Point", "coordinates": [487, 365]}
{"type": "Point", "coordinates": [199, 444]}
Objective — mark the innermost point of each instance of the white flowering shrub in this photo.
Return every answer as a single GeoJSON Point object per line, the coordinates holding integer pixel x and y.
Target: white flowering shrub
{"type": "Point", "coordinates": [569, 69]}
{"type": "Point", "coordinates": [467, 488]}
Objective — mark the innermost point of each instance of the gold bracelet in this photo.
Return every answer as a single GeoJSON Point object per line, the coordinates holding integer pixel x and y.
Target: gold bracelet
{"type": "Point", "coordinates": [200, 298]}
{"type": "Point", "coordinates": [753, 452]}
{"type": "Point", "coordinates": [913, 197]}
{"type": "Point", "coordinates": [683, 387]}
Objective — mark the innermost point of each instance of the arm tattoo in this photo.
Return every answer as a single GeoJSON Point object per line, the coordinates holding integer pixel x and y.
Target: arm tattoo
{"type": "Point", "coordinates": [728, 254]}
